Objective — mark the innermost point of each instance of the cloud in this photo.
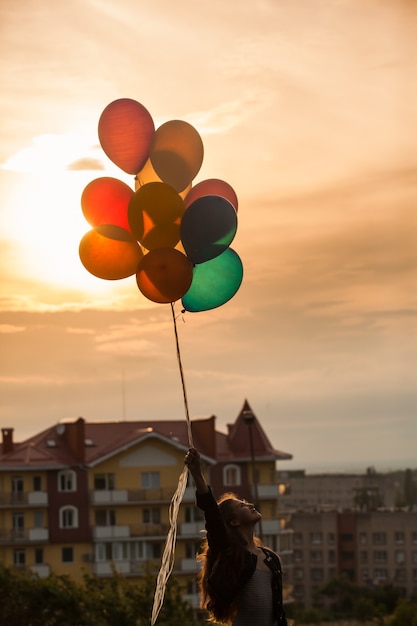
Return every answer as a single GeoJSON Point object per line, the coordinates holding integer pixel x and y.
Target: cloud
{"type": "Point", "coordinates": [10, 328]}
{"type": "Point", "coordinates": [86, 164]}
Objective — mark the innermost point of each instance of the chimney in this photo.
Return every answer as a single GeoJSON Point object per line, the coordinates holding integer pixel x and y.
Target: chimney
{"type": "Point", "coordinates": [75, 437]}
{"type": "Point", "coordinates": [7, 440]}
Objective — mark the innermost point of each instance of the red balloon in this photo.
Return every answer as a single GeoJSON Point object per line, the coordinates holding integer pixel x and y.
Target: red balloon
{"type": "Point", "coordinates": [106, 201]}
{"type": "Point", "coordinates": [212, 187]}
{"type": "Point", "coordinates": [109, 252]}
{"type": "Point", "coordinates": [164, 275]}
{"type": "Point", "coordinates": [125, 131]}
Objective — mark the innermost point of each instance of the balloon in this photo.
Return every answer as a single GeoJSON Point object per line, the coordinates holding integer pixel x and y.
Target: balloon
{"type": "Point", "coordinates": [176, 153]}
{"type": "Point", "coordinates": [110, 252]}
{"type": "Point", "coordinates": [105, 201]}
{"type": "Point", "coordinates": [208, 227]}
{"type": "Point", "coordinates": [155, 212]}
{"type": "Point", "coordinates": [164, 275]}
{"type": "Point", "coordinates": [125, 131]}
{"type": "Point", "coordinates": [214, 282]}
{"type": "Point", "coordinates": [148, 175]}
{"type": "Point", "coordinates": [214, 187]}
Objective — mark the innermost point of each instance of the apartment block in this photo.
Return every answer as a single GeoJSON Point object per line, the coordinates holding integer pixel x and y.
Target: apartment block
{"type": "Point", "coordinates": [93, 497]}
{"type": "Point", "coordinates": [369, 548]}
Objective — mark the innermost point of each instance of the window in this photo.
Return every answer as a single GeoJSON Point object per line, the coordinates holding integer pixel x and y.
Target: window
{"type": "Point", "coordinates": [67, 481]}
{"type": "Point", "coordinates": [298, 539]}
{"type": "Point", "coordinates": [298, 556]}
{"type": "Point", "coordinates": [38, 519]}
{"type": "Point", "coordinates": [364, 575]}
{"type": "Point", "coordinates": [67, 555]}
{"type": "Point", "coordinates": [363, 556]}
{"type": "Point", "coordinates": [37, 483]}
{"type": "Point", "coordinates": [298, 573]}
{"type": "Point", "coordinates": [317, 574]}
{"type": "Point", "coordinates": [414, 556]}
{"type": "Point", "coordinates": [105, 517]}
{"type": "Point", "coordinates": [193, 514]}
{"type": "Point", "coordinates": [399, 536]}
{"type": "Point", "coordinates": [414, 537]}
{"type": "Point", "coordinates": [380, 556]}
{"type": "Point", "coordinates": [380, 574]}
{"type": "Point", "coordinates": [331, 556]}
{"type": "Point", "coordinates": [330, 538]}
{"type": "Point", "coordinates": [316, 537]}
{"type": "Point", "coordinates": [231, 476]}
{"type": "Point", "coordinates": [151, 516]}
{"type": "Point", "coordinates": [346, 537]}
{"type": "Point", "coordinates": [363, 538]}
{"type": "Point", "coordinates": [18, 525]}
{"type": "Point", "coordinates": [150, 480]}
{"type": "Point", "coordinates": [17, 489]}
{"type": "Point", "coordinates": [399, 556]}
{"type": "Point", "coordinates": [379, 538]}
{"type": "Point", "coordinates": [104, 482]}
{"type": "Point", "coordinates": [68, 517]}
{"type": "Point", "coordinates": [19, 558]}
{"type": "Point", "coordinates": [316, 556]}
{"type": "Point", "coordinates": [38, 556]}
{"type": "Point", "coordinates": [191, 549]}
{"type": "Point", "coordinates": [399, 575]}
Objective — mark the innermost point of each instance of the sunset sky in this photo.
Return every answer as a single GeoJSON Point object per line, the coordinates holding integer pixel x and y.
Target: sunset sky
{"type": "Point", "coordinates": [308, 109]}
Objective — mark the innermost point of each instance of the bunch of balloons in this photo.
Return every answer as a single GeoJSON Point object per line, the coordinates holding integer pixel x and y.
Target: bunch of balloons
{"type": "Point", "coordinates": [174, 237]}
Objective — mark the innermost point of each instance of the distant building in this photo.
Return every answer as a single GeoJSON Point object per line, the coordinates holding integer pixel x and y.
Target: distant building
{"type": "Point", "coordinates": [337, 492]}
{"type": "Point", "coordinates": [92, 496]}
{"type": "Point", "coordinates": [369, 548]}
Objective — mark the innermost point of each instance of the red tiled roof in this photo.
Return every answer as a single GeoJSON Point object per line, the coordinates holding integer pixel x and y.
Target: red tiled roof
{"type": "Point", "coordinates": [88, 442]}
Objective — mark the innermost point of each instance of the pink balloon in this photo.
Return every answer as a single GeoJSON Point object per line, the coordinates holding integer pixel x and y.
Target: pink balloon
{"type": "Point", "coordinates": [212, 187]}
{"type": "Point", "coordinates": [125, 131]}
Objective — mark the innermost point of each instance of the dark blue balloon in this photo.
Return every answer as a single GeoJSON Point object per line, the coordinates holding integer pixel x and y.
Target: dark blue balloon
{"type": "Point", "coordinates": [208, 227]}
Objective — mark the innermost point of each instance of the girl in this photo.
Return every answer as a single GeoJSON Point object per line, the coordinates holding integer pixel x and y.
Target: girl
{"type": "Point", "coordinates": [240, 581]}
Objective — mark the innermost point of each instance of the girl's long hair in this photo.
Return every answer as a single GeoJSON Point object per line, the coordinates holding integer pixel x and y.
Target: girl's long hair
{"type": "Point", "coordinates": [226, 566]}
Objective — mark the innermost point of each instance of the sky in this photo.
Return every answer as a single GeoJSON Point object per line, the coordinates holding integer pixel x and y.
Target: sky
{"type": "Point", "coordinates": [308, 110]}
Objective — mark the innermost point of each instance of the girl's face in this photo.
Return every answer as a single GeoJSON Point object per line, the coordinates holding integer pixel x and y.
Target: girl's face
{"type": "Point", "coordinates": [244, 513]}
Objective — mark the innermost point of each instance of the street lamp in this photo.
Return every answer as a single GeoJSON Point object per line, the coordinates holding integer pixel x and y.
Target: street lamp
{"type": "Point", "coordinates": [249, 419]}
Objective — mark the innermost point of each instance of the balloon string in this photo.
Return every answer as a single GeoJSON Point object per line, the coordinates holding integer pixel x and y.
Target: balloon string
{"type": "Point", "coordinates": [184, 392]}
{"type": "Point", "coordinates": [168, 557]}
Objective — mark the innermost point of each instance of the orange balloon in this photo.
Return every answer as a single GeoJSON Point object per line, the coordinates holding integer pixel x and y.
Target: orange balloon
{"type": "Point", "coordinates": [148, 175]}
{"type": "Point", "coordinates": [125, 131]}
{"type": "Point", "coordinates": [105, 201]}
{"type": "Point", "coordinates": [110, 252]}
{"type": "Point", "coordinates": [212, 187]}
{"type": "Point", "coordinates": [164, 275]}
{"type": "Point", "coordinates": [155, 213]}
{"type": "Point", "coordinates": [176, 153]}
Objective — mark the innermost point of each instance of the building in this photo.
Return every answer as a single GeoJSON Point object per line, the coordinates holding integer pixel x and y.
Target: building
{"type": "Point", "coordinates": [329, 492]}
{"type": "Point", "coordinates": [369, 548]}
{"type": "Point", "coordinates": [89, 497]}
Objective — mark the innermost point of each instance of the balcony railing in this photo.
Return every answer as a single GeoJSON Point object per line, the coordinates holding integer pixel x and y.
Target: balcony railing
{"type": "Point", "coordinates": [134, 496]}
{"type": "Point", "coordinates": [23, 535]}
{"type": "Point", "coordinates": [27, 498]}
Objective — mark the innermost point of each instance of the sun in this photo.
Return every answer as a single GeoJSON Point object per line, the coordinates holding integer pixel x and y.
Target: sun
{"type": "Point", "coordinates": [43, 213]}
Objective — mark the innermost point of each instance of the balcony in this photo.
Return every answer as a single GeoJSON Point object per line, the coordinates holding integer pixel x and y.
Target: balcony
{"type": "Point", "coordinates": [20, 499]}
{"type": "Point", "coordinates": [23, 535]}
{"type": "Point", "coordinates": [109, 496]}
{"type": "Point", "coordinates": [111, 532]}
{"type": "Point", "coordinates": [136, 496]}
{"type": "Point", "coordinates": [191, 528]}
{"type": "Point", "coordinates": [189, 566]}
{"type": "Point", "coordinates": [265, 492]}
{"type": "Point", "coordinates": [42, 570]}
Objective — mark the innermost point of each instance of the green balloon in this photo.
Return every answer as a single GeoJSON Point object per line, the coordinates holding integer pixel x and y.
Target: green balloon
{"type": "Point", "coordinates": [214, 282]}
